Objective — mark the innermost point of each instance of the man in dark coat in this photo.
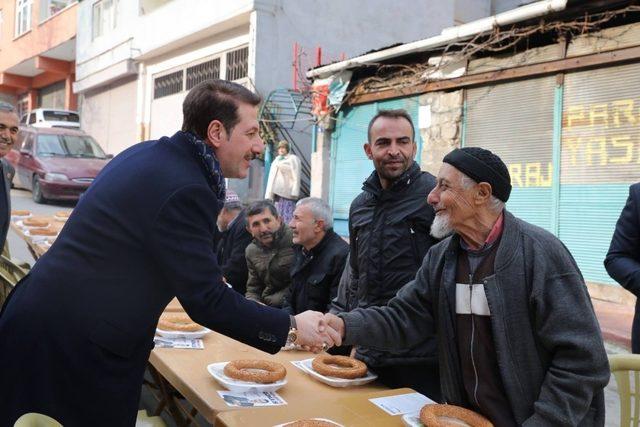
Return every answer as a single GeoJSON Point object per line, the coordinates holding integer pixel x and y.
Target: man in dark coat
{"type": "Point", "coordinates": [234, 239]}
{"type": "Point", "coordinates": [319, 257]}
{"type": "Point", "coordinates": [389, 236]}
{"type": "Point", "coordinates": [76, 333]}
{"type": "Point", "coordinates": [623, 259]}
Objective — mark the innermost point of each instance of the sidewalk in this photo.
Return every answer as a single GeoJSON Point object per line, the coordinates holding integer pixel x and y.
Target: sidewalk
{"type": "Point", "coordinates": [615, 322]}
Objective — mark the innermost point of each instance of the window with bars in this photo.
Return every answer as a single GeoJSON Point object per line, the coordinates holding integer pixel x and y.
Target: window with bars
{"type": "Point", "coordinates": [204, 71]}
{"type": "Point", "coordinates": [237, 64]}
{"type": "Point", "coordinates": [168, 84]}
{"type": "Point", "coordinates": [23, 16]}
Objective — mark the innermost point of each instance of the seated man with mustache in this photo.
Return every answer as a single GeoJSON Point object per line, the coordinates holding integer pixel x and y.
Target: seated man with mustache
{"type": "Point", "coordinates": [269, 255]}
{"type": "Point", "coordinates": [518, 340]}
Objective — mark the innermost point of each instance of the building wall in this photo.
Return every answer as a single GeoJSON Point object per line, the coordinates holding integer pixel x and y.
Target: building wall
{"type": "Point", "coordinates": [107, 114]}
{"type": "Point", "coordinates": [442, 131]}
{"type": "Point", "coordinates": [337, 27]}
{"type": "Point", "coordinates": [171, 106]}
{"type": "Point", "coordinates": [42, 36]}
{"type": "Point", "coordinates": [499, 6]}
{"type": "Point", "coordinates": [114, 46]}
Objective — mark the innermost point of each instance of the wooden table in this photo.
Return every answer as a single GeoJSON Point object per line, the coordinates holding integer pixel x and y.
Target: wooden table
{"type": "Point", "coordinates": [349, 410]}
{"type": "Point", "coordinates": [186, 371]}
{"type": "Point", "coordinates": [38, 249]}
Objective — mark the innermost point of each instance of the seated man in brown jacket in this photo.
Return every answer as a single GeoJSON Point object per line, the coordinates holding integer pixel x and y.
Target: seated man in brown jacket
{"type": "Point", "coordinates": [269, 255]}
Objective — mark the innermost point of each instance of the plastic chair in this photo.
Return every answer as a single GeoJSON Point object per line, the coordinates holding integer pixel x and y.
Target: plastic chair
{"type": "Point", "coordinates": [40, 420]}
{"type": "Point", "coordinates": [36, 420]}
{"type": "Point", "coordinates": [10, 274]}
{"type": "Point", "coordinates": [143, 420]}
{"type": "Point", "coordinates": [626, 369]}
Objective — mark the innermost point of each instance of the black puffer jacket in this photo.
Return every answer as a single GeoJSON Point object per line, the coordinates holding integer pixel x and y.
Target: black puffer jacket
{"type": "Point", "coordinates": [389, 237]}
{"type": "Point", "coordinates": [315, 274]}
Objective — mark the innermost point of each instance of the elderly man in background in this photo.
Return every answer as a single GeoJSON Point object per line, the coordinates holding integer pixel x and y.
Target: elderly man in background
{"type": "Point", "coordinates": [234, 239]}
{"type": "Point", "coordinates": [269, 256]}
{"type": "Point", "coordinates": [518, 340]}
{"type": "Point", "coordinates": [319, 257]}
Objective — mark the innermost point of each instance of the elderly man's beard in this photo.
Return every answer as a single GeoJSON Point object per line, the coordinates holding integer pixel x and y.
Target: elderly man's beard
{"type": "Point", "coordinates": [440, 227]}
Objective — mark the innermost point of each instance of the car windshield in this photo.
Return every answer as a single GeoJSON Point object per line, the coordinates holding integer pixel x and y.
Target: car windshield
{"type": "Point", "coordinates": [60, 116]}
{"type": "Point", "coordinates": [69, 146]}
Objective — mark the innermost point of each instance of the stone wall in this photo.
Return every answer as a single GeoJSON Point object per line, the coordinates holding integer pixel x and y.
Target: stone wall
{"type": "Point", "coordinates": [444, 130]}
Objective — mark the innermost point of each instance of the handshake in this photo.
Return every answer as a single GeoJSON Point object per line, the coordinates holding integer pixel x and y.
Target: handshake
{"type": "Point", "coordinates": [318, 332]}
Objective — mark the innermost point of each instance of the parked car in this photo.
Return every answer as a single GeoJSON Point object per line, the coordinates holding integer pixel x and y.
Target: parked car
{"type": "Point", "coordinates": [56, 163]}
{"type": "Point", "coordinates": [51, 118]}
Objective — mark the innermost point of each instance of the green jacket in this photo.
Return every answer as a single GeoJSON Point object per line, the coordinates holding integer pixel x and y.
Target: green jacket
{"type": "Point", "coordinates": [268, 268]}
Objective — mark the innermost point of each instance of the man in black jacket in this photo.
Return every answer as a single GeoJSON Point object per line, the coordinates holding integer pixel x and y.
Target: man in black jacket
{"type": "Point", "coordinates": [234, 239]}
{"type": "Point", "coordinates": [389, 236]}
{"type": "Point", "coordinates": [623, 260]}
{"type": "Point", "coordinates": [319, 258]}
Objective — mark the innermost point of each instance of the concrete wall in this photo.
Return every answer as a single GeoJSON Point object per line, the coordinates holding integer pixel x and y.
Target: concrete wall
{"type": "Point", "coordinates": [470, 10]}
{"type": "Point", "coordinates": [337, 27]}
{"type": "Point", "coordinates": [93, 55]}
{"type": "Point", "coordinates": [108, 115]}
{"type": "Point", "coordinates": [499, 6]}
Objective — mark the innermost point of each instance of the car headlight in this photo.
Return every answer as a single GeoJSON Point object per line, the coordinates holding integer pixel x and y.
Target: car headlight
{"type": "Point", "coordinates": [55, 177]}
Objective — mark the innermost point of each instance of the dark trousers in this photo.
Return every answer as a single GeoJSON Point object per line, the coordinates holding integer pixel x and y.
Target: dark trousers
{"type": "Point", "coordinates": [424, 378]}
{"type": "Point", "coordinates": [635, 330]}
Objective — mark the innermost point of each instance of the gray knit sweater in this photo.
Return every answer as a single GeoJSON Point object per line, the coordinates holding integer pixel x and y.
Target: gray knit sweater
{"type": "Point", "coordinates": [549, 348]}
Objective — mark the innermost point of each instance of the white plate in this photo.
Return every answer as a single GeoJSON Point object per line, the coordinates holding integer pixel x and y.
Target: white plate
{"type": "Point", "coordinates": [217, 372]}
{"type": "Point", "coordinates": [16, 218]}
{"type": "Point", "coordinates": [412, 419]}
{"type": "Point", "coordinates": [183, 334]}
{"type": "Point", "coordinates": [318, 419]}
{"type": "Point", "coordinates": [39, 238]}
{"type": "Point", "coordinates": [29, 227]}
{"type": "Point", "coordinates": [333, 381]}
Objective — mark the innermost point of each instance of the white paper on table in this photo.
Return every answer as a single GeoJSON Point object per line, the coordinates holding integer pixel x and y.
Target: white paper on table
{"type": "Point", "coordinates": [192, 343]}
{"type": "Point", "coordinates": [252, 398]}
{"type": "Point", "coordinates": [401, 403]}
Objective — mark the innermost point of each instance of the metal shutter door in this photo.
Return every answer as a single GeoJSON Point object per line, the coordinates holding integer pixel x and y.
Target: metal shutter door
{"type": "Point", "coordinates": [515, 121]}
{"type": "Point", "coordinates": [600, 158]}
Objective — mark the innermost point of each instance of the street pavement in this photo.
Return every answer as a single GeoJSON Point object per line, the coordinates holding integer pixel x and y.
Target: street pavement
{"type": "Point", "coordinates": [21, 199]}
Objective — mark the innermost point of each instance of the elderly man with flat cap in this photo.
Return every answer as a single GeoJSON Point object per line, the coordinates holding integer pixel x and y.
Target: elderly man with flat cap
{"type": "Point", "coordinates": [518, 340]}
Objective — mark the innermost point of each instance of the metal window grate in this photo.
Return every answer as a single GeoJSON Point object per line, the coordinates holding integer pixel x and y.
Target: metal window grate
{"type": "Point", "coordinates": [168, 84]}
{"type": "Point", "coordinates": [237, 63]}
{"type": "Point", "coordinates": [204, 71]}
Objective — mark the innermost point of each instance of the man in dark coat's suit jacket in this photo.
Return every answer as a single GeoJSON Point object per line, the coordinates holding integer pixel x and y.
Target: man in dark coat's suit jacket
{"type": "Point", "coordinates": [623, 259]}
{"type": "Point", "coordinates": [76, 333]}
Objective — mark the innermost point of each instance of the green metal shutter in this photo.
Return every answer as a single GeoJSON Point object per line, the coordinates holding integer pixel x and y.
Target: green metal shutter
{"type": "Point", "coordinates": [600, 158]}
{"type": "Point", "coordinates": [349, 164]}
{"type": "Point", "coordinates": [515, 121]}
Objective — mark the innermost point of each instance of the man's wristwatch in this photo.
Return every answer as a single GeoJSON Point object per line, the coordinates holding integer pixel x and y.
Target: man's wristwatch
{"type": "Point", "coordinates": [292, 336]}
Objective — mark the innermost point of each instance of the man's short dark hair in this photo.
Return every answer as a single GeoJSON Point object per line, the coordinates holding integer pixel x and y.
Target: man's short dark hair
{"type": "Point", "coordinates": [256, 208]}
{"type": "Point", "coordinates": [392, 114]}
{"type": "Point", "coordinates": [214, 100]}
